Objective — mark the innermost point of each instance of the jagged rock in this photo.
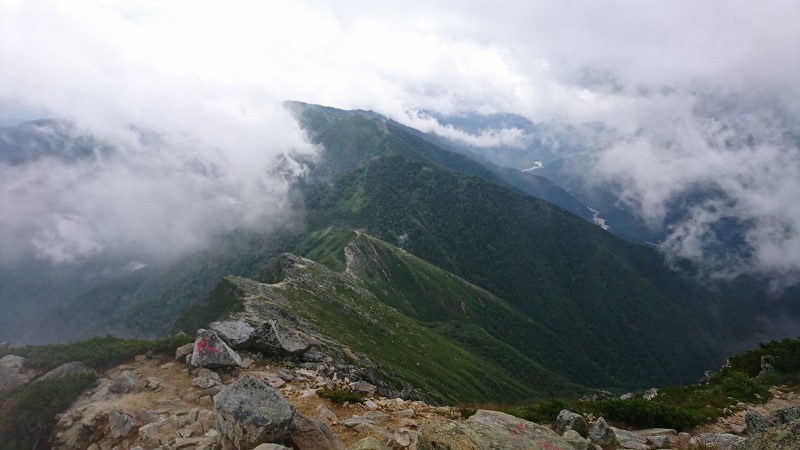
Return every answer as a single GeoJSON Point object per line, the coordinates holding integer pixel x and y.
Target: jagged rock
{"type": "Point", "coordinates": [716, 441]}
{"type": "Point", "coordinates": [271, 447]}
{"type": "Point", "coordinates": [249, 412]}
{"type": "Point", "coordinates": [784, 436]}
{"type": "Point", "coordinates": [148, 434]}
{"type": "Point", "coordinates": [363, 388]}
{"type": "Point", "coordinates": [373, 430]}
{"type": "Point", "coordinates": [369, 443]}
{"type": "Point", "coordinates": [327, 416]}
{"type": "Point", "coordinates": [755, 422]}
{"type": "Point", "coordinates": [125, 382]}
{"type": "Point", "coordinates": [285, 375]}
{"type": "Point", "coordinates": [627, 396]}
{"type": "Point", "coordinates": [767, 363]}
{"type": "Point", "coordinates": [601, 433]}
{"type": "Point", "coordinates": [629, 440]}
{"type": "Point", "coordinates": [312, 435]}
{"type": "Point", "coordinates": [12, 373]}
{"type": "Point", "coordinates": [234, 332]}
{"type": "Point", "coordinates": [707, 375]}
{"type": "Point", "coordinates": [184, 351]}
{"type": "Point", "coordinates": [274, 338]}
{"type": "Point", "coordinates": [70, 368]}
{"type": "Point", "coordinates": [650, 394]}
{"type": "Point", "coordinates": [212, 352]}
{"type": "Point", "coordinates": [568, 420]}
{"type": "Point", "coordinates": [376, 416]}
{"type": "Point", "coordinates": [786, 415]}
{"type": "Point", "coordinates": [659, 441]}
{"type": "Point", "coordinates": [598, 395]}
{"type": "Point", "coordinates": [123, 424]}
{"type": "Point", "coordinates": [577, 441]}
{"type": "Point", "coordinates": [312, 355]}
{"type": "Point", "coordinates": [490, 429]}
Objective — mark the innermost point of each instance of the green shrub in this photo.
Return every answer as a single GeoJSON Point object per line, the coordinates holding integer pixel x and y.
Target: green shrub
{"type": "Point", "coordinates": [98, 352]}
{"type": "Point", "coordinates": [340, 396]}
{"type": "Point", "coordinates": [28, 413]}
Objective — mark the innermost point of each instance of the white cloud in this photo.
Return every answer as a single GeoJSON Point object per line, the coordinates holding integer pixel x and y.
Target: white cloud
{"type": "Point", "coordinates": [674, 80]}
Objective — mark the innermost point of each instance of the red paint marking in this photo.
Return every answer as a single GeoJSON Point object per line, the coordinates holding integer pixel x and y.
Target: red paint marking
{"type": "Point", "coordinates": [202, 344]}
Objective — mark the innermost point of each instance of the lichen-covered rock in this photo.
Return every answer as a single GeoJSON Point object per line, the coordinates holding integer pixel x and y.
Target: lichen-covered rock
{"type": "Point", "coordinates": [786, 415]}
{"type": "Point", "coordinates": [235, 332]}
{"type": "Point", "coordinates": [274, 338]}
{"type": "Point", "coordinates": [577, 441]}
{"type": "Point", "coordinates": [212, 352]}
{"type": "Point", "coordinates": [756, 423]}
{"type": "Point", "coordinates": [249, 413]}
{"type": "Point", "coordinates": [122, 423]}
{"type": "Point", "coordinates": [490, 429]}
{"type": "Point", "coordinates": [716, 441]}
{"type": "Point", "coordinates": [785, 436]}
{"type": "Point", "coordinates": [12, 373]}
{"type": "Point", "coordinates": [568, 420]}
{"type": "Point", "coordinates": [629, 440]}
{"type": "Point", "coordinates": [312, 435]}
{"type": "Point", "coordinates": [125, 382]}
{"type": "Point", "coordinates": [601, 433]}
{"type": "Point", "coordinates": [369, 443]}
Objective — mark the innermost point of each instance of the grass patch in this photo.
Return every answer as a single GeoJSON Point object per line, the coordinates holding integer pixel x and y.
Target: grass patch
{"type": "Point", "coordinates": [98, 352]}
{"type": "Point", "coordinates": [339, 396]}
{"type": "Point", "coordinates": [28, 414]}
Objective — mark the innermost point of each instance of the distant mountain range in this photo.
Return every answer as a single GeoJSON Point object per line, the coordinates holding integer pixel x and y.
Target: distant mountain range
{"type": "Point", "coordinates": [415, 242]}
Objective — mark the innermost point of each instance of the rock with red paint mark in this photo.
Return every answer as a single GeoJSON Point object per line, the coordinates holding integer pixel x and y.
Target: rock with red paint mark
{"type": "Point", "coordinates": [491, 429]}
{"type": "Point", "coordinates": [212, 352]}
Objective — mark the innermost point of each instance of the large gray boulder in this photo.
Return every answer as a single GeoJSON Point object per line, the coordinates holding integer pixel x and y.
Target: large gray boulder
{"type": "Point", "coordinates": [312, 435]}
{"type": "Point", "coordinates": [235, 332]}
{"type": "Point", "coordinates": [568, 420]}
{"type": "Point", "coordinates": [716, 441]}
{"type": "Point", "coordinates": [212, 352]}
{"type": "Point", "coordinates": [70, 368]}
{"type": "Point", "coordinates": [601, 433]}
{"type": "Point", "coordinates": [786, 415]}
{"type": "Point", "coordinates": [12, 373]}
{"type": "Point", "coordinates": [125, 382]}
{"type": "Point", "coordinates": [274, 338]}
{"type": "Point", "coordinates": [755, 422]}
{"type": "Point", "coordinates": [490, 429]}
{"type": "Point", "coordinates": [630, 440]}
{"type": "Point", "coordinates": [249, 413]}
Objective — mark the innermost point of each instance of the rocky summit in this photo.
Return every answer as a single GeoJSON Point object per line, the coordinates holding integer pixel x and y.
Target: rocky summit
{"type": "Point", "coordinates": [274, 403]}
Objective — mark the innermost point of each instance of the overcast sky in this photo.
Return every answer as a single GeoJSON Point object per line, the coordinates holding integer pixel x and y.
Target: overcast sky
{"type": "Point", "coordinates": [677, 81]}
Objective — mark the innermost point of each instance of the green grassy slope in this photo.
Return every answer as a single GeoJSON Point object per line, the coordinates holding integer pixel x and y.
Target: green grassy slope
{"type": "Point", "coordinates": [616, 315]}
{"type": "Point", "coordinates": [340, 307]}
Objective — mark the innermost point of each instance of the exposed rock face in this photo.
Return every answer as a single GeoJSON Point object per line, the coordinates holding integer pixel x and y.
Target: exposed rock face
{"type": "Point", "coordinates": [125, 382]}
{"type": "Point", "coordinates": [577, 441]}
{"type": "Point", "coordinates": [491, 429]}
{"type": "Point", "coordinates": [568, 420]}
{"type": "Point", "coordinates": [70, 368]}
{"type": "Point", "coordinates": [783, 436]}
{"type": "Point", "coordinates": [715, 441]}
{"type": "Point", "coordinates": [249, 413]}
{"type": "Point", "coordinates": [12, 373]}
{"type": "Point", "coordinates": [235, 332]}
{"type": "Point", "coordinates": [312, 435]}
{"type": "Point", "coordinates": [212, 352]}
{"type": "Point", "coordinates": [629, 440]}
{"type": "Point", "coordinates": [123, 424]}
{"type": "Point", "coordinates": [786, 415]}
{"type": "Point", "coordinates": [755, 423]}
{"type": "Point", "coordinates": [274, 338]}
{"type": "Point", "coordinates": [601, 433]}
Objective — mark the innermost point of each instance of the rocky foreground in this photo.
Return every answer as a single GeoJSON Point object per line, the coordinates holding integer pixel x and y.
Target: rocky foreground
{"type": "Point", "coordinates": [210, 396]}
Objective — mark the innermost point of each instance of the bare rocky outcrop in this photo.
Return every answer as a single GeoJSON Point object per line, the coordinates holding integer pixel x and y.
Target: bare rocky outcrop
{"type": "Point", "coordinates": [212, 352]}
{"type": "Point", "coordinates": [249, 413]}
{"type": "Point", "coordinates": [70, 368]}
{"type": "Point", "coordinates": [12, 373]}
{"type": "Point", "coordinates": [568, 420]}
